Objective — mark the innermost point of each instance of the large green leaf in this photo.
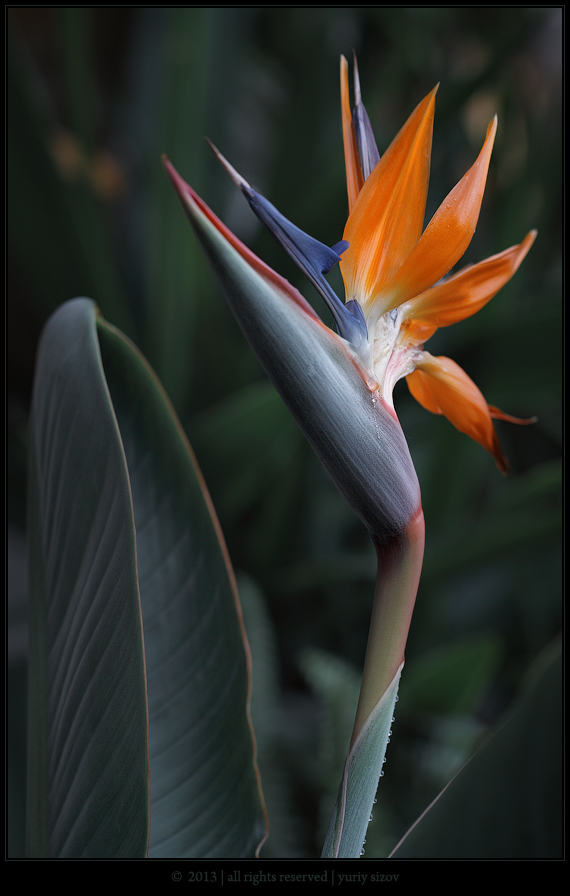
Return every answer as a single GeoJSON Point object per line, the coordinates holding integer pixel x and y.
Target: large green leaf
{"type": "Point", "coordinates": [363, 768]}
{"type": "Point", "coordinates": [88, 777]}
{"type": "Point", "coordinates": [506, 802]}
{"type": "Point", "coordinates": [118, 507]}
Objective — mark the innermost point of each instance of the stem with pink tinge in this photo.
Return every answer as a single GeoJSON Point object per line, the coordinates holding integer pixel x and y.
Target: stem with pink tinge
{"type": "Point", "coordinates": [399, 570]}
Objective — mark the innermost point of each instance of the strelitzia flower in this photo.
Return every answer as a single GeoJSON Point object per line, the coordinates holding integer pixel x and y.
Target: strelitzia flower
{"type": "Point", "coordinates": [335, 400]}
{"type": "Point", "coordinates": [316, 371]}
{"type": "Point", "coordinates": [339, 385]}
{"type": "Point", "coordinates": [390, 266]}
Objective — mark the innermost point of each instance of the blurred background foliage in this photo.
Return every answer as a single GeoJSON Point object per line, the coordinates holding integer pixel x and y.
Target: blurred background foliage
{"type": "Point", "coordinates": [94, 97]}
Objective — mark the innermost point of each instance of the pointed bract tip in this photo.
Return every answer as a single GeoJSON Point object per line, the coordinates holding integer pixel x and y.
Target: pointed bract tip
{"type": "Point", "coordinates": [179, 183]}
{"type": "Point", "coordinates": [238, 180]}
{"type": "Point", "coordinates": [356, 80]}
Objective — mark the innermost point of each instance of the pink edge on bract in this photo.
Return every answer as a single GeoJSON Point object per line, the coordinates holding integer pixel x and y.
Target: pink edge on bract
{"type": "Point", "coordinates": [190, 199]}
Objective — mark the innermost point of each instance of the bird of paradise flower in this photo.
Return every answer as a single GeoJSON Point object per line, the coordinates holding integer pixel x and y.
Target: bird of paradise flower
{"type": "Point", "coordinates": [339, 386]}
{"type": "Point", "coordinates": [390, 266]}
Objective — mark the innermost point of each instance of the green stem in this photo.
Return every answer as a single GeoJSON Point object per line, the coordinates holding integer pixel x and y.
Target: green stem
{"type": "Point", "coordinates": [399, 569]}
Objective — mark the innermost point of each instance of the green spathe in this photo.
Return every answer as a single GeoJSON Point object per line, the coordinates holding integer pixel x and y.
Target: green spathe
{"type": "Point", "coordinates": [354, 433]}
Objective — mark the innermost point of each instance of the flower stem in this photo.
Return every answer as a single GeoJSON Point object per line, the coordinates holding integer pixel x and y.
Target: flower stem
{"type": "Point", "coordinates": [399, 569]}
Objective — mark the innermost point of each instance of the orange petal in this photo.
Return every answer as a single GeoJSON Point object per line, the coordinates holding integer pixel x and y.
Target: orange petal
{"type": "Point", "coordinates": [354, 178]}
{"type": "Point", "coordinates": [497, 414]}
{"type": "Point", "coordinates": [449, 232]}
{"type": "Point", "coordinates": [387, 219]}
{"type": "Point", "coordinates": [466, 292]}
{"type": "Point", "coordinates": [441, 386]}
{"type": "Point", "coordinates": [416, 332]}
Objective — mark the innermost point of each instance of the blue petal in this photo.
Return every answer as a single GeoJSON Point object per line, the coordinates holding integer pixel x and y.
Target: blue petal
{"type": "Point", "coordinates": [339, 248]}
{"type": "Point", "coordinates": [356, 310]}
{"type": "Point", "coordinates": [315, 259]}
{"type": "Point", "coordinates": [368, 154]}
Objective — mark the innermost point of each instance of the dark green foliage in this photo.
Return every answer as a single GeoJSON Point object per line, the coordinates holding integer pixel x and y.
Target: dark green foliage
{"type": "Point", "coordinates": [96, 215]}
